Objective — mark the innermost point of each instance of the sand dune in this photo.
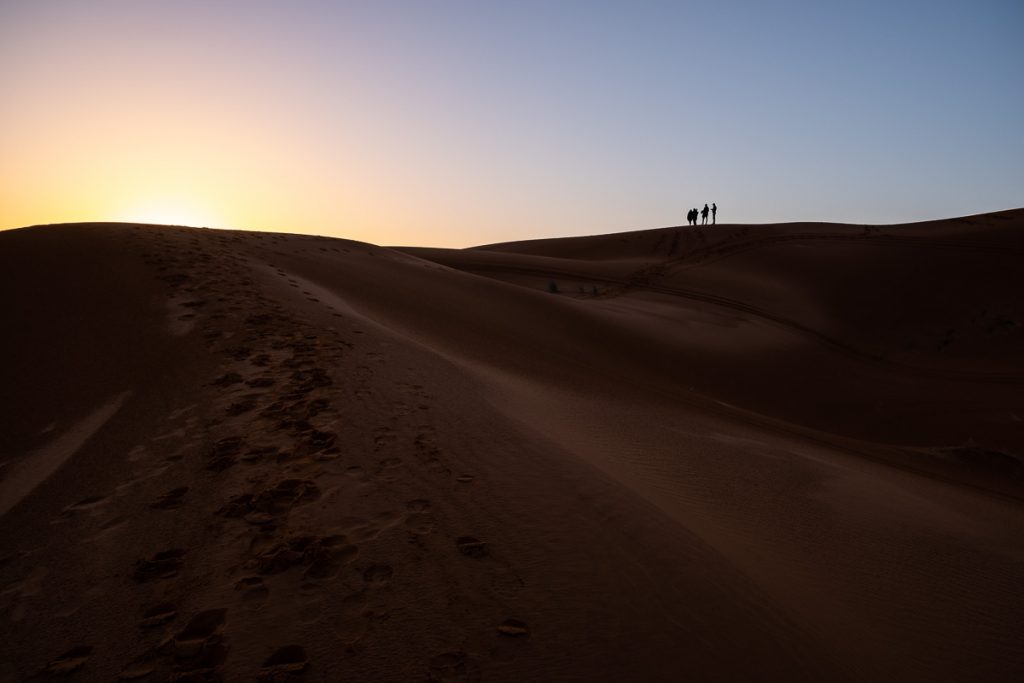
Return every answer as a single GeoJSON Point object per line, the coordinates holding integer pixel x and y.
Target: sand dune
{"type": "Point", "coordinates": [785, 452]}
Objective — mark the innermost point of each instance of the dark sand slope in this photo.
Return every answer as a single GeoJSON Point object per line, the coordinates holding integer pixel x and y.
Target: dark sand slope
{"type": "Point", "coordinates": [782, 452]}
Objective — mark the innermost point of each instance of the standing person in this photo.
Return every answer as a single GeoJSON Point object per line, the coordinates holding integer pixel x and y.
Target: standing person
{"type": "Point", "coordinates": [714, 213]}
{"type": "Point", "coordinates": [689, 217]}
{"type": "Point", "coordinates": [704, 214]}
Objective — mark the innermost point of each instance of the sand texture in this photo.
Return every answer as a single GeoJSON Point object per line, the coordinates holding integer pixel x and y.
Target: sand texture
{"type": "Point", "coordinates": [781, 452]}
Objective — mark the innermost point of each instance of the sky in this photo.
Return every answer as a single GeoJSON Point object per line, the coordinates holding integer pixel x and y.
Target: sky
{"type": "Point", "coordinates": [458, 123]}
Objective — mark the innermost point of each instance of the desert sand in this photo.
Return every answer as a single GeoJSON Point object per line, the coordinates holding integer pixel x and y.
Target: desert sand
{"type": "Point", "coordinates": [741, 452]}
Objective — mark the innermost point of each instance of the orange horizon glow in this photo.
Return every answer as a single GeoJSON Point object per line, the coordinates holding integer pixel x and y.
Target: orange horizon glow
{"type": "Point", "coordinates": [459, 124]}
{"type": "Point", "coordinates": [169, 212]}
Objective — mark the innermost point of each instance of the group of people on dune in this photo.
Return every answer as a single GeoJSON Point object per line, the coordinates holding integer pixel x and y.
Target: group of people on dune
{"type": "Point", "coordinates": [692, 214]}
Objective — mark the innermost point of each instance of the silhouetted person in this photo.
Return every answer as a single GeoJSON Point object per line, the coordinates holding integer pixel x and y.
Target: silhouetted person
{"type": "Point", "coordinates": [695, 214]}
{"type": "Point", "coordinates": [704, 215]}
{"type": "Point", "coordinates": [690, 217]}
{"type": "Point", "coordinates": [714, 212]}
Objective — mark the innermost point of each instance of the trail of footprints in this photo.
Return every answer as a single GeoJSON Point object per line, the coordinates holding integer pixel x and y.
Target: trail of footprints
{"type": "Point", "coordinates": [276, 421]}
{"type": "Point", "coordinates": [270, 379]}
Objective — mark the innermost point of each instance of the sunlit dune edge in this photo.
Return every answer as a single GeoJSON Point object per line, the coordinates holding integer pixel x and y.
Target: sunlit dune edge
{"type": "Point", "coordinates": [744, 452]}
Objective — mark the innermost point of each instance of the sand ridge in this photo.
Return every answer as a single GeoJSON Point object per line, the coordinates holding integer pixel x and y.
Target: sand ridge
{"type": "Point", "coordinates": [20, 478]}
{"type": "Point", "coordinates": [341, 461]}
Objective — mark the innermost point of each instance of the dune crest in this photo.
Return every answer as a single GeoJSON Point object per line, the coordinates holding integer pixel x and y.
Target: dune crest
{"type": "Point", "coordinates": [741, 452]}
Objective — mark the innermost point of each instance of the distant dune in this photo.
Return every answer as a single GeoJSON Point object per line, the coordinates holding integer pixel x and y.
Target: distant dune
{"type": "Point", "coordinates": [778, 452]}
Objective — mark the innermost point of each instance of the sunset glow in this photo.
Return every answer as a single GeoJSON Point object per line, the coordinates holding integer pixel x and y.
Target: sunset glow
{"type": "Point", "coordinates": [169, 212]}
{"type": "Point", "coordinates": [454, 124]}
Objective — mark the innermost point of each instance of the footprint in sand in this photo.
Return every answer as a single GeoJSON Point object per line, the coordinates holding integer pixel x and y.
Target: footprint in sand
{"type": "Point", "coordinates": [139, 667]}
{"type": "Point", "coordinates": [170, 500]}
{"type": "Point", "coordinates": [69, 662]}
{"type": "Point", "coordinates": [382, 436]}
{"type": "Point", "coordinates": [157, 615]}
{"type": "Point", "coordinates": [314, 378]}
{"type": "Point", "coordinates": [108, 528]}
{"type": "Point", "coordinates": [514, 628]}
{"type": "Point", "coordinates": [322, 557]}
{"type": "Point", "coordinates": [222, 455]}
{"type": "Point", "coordinates": [261, 361]}
{"type": "Point", "coordinates": [265, 506]}
{"type": "Point", "coordinates": [240, 407]}
{"type": "Point", "coordinates": [163, 565]}
{"type": "Point", "coordinates": [420, 519]}
{"type": "Point", "coordinates": [200, 644]}
{"type": "Point", "coordinates": [358, 473]}
{"type": "Point", "coordinates": [89, 503]}
{"type": "Point", "coordinates": [239, 352]}
{"type": "Point", "coordinates": [285, 664]}
{"type": "Point", "coordinates": [471, 546]}
{"type": "Point", "coordinates": [261, 382]}
{"type": "Point", "coordinates": [377, 575]}
{"type": "Point", "coordinates": [512, 634]}
{"type": "Point", "coordinates": [321, 442]}
{"type": "Point", "coordinates": [252, 588]}
{"type": "Point", "coordinates": [317, 406]}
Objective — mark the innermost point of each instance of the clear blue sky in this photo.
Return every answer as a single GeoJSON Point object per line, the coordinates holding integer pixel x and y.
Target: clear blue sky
{"type": "Point", "coordinates": [457, 123]}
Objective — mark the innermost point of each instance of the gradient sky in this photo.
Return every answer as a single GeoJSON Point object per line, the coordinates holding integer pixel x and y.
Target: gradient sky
{"type": "Point", "coordinates": [457, 123]}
